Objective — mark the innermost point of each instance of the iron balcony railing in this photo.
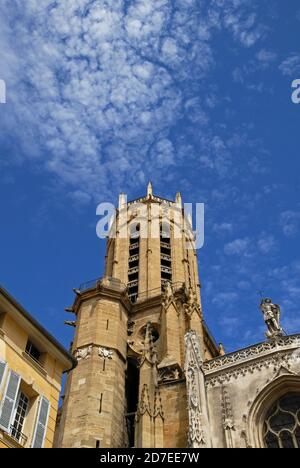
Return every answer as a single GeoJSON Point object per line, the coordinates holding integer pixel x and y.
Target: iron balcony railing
{"type": "Point", "coordinates": [133, 296]}
{"type": "Point", "coordinates": [93, 284]}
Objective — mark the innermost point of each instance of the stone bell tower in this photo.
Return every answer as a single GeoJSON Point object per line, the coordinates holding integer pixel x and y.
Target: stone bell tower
{"type": "Point", "coordinates": [129, 388]}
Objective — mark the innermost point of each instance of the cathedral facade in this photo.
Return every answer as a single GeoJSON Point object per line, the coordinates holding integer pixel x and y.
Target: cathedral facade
{"type": "Point", "coordinates": [149, 373]}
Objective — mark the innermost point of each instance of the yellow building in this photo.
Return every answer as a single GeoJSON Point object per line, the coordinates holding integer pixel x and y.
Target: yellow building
{"type": "Point", "coordinates": [31, 366]}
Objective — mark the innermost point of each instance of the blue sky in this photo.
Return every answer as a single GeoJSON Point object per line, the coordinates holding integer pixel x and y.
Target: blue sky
{"type": "Point", "coordinates": [104, 95]}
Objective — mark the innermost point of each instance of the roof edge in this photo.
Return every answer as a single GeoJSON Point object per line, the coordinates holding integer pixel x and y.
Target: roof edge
{"type": "Point", "coordinates": [40, 328]}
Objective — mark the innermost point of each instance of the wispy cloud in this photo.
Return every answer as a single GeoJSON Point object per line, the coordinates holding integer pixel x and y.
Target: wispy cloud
{"type": "Point", "coordinates": [290, 222]}
{"type": "Point", "coordinates": [266, 56]}
{"type": "Point", "coordinates": [266, 243]}
{"type": "Point", "coordinates": [96, 87]}
{"type": "Point", "coordinates": [237, 247]}
{"type": "Point", "coordinates": [291, 65]}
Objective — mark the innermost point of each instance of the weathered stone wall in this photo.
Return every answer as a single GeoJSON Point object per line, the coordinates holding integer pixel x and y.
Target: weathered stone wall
{"type": "Point", "coordinates": [176, 424]}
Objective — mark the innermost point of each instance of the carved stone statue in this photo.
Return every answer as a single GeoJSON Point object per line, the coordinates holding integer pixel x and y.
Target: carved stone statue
{"type": "Point", "coordinates": [167, 295]}
{"type": "Point", "coordinates": [106, 353]}
{"type": "Point", "coordinates": [271, 313]}
{"type": "Point", "coordinates": [83, 353]}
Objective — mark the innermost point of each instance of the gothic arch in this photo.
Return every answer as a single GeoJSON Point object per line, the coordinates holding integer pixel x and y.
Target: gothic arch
{"type": "Point", "coordinates": [280, 386]}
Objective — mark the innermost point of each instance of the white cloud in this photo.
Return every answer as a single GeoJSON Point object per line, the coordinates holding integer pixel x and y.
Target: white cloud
{"type": "Point", "coordinates": [224, 298]}
{"type": "Point", "coordinates": [230, 324]}
{"type": "Point", "coordinates": [290, 222]}
{"type": "Point", "coordinates": [266, 243]}
{"type": "Point", "coordinates": [222, 227]}
{"type": "Point", "coordinates": [94, 85]}
{"type": "Point", "coordinates": [290, 66]}
{"type": "Point", "coordinates": [266, 56]}
{"type": "Point", "coordinates": [237, 247]}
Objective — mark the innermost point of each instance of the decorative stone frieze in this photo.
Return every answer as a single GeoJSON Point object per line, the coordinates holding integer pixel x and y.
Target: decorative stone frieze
{"type": "Point", "coordinates": [242, 370]}
{"type": "Point", "coordinates": [253, 352]}
{"type": "Point", "coordinates": [198, 435]}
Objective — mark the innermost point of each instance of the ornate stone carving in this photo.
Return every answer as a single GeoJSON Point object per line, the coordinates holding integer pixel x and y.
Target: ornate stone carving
{"type": "Point", "coordinates": [83, 353]}
{"type": "Point", "coordinates": [158, 408]}
{"type": "Point", "coordinates": [144, 403]}
{"type": "Point", "coordinates": [130, 328]}
{"type": "Point", "coordinates": [196, 434]}
{"type": "Point", "coordinates": [228, 420]}
{"type": "Point", "coordinates": [278, 360]}
{"type": "Point", "coordinates": [105, 281]}
{"type": "Point", "coordinates": [197, 405]}
{"type": "Point", "coordinates": [245, 355]}
{"type": "Point", "coordinates": [106, 353]}
{"type": "Point", "coordinates": [271, 313]}
{"type": "Point", "coordinates": [170, 373]}
{"type": "Point", "coordinates": [167, 295]}
{"type": "Point", "coordinates": [191, 306]}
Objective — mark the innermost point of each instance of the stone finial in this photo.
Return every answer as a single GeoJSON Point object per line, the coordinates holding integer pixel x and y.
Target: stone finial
{"type": "Point", "coordinates": [150, 189]}
{"type": "Point", "coordinates": [179, 199]}
{"type": "Point", "coordinates": [122, 201]}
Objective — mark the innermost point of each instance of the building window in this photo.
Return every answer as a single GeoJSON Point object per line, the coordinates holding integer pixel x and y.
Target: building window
{"type": "Point", "coordinates": [32, 351]}
{"type": "Point", "coordinates": [282, 425]}
{"type": "Point", "coordinates": [19, 419]}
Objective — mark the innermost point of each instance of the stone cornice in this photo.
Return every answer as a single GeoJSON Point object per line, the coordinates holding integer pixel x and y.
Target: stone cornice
{"type": "Point", "coordinates": [103, 291]}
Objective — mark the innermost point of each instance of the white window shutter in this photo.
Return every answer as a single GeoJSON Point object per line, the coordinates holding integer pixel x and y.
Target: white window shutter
{"type": "Point", "coordinates": [41, 424]}
{"type": "Point", "coordinates": [9, 400]}
{"type": "Point", "coordinates": [2, 371]}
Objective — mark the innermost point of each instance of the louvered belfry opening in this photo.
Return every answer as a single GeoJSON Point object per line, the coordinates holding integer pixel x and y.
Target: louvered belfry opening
{"type": "Point", "coordinates": [133, 264]}
{"type": "Point", "coordinates": [165, 255]}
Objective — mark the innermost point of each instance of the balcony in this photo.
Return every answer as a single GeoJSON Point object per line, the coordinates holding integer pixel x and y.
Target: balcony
{"type": "Point", "coordinates": [34, 363]}
{"type": "Point", "coordinates": [107, 281]}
